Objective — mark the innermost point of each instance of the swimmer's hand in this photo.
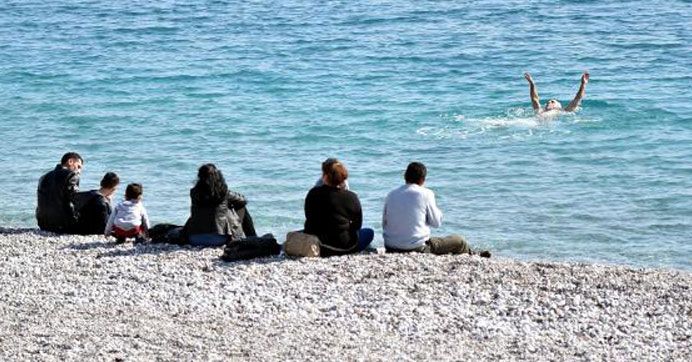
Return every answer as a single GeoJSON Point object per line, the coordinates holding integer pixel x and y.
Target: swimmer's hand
{"type": "Point", "coordinates": [530, 78]}
{"type": "Point", "coordinates": [535, 101]}
{"type": "Point", "coordinates": [572, 106]}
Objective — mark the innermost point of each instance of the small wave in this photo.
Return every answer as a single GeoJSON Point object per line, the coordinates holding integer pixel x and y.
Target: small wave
{"type": "Point", "coordinates": [577, 120]}
{"type": "Point", "coordinates": [446, 132]}
{"type": "Point", "coordinates": [147, 30]}
{"type": "Point", "coordinates": [600, 103]}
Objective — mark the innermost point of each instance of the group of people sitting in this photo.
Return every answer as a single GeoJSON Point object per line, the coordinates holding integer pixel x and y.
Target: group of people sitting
{"type": "Point", "coordinates": [63, 209]}
{"type": "Point", "coordinates": [219, 216]}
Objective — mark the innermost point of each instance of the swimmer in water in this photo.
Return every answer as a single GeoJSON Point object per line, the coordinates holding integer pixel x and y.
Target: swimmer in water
{"type": "Point", "coordinates": [553, 106]}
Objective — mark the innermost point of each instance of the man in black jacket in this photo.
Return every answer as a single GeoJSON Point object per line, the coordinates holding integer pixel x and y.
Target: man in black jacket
{"type": "Point", "coordinates": [95, 206]}
{"type": "Point", "coordinates": [56, 190]}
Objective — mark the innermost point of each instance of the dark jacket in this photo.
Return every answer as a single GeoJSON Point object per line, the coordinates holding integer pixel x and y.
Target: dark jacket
{"type": "Point", "coordinates": [94, 210]}
{"type": "Point", "coordinates": [56, 211]}
{"type": "Point", "coordinates": [219, 217]}
{"type": "Point", "coordinates": [334, 215]}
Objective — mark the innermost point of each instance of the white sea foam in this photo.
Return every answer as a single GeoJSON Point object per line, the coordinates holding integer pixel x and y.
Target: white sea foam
{"type": "Point", "coordinates": [578, 119]}
{"type": "Point", "coordinates": [516, 123]}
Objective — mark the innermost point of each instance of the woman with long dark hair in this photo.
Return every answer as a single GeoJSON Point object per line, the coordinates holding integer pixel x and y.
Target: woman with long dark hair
{"type": "Point", "coordinates": [217, 215]}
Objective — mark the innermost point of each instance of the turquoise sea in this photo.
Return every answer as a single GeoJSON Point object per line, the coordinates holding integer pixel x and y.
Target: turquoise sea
{"type": "Point", "coordinates": [267, 90]}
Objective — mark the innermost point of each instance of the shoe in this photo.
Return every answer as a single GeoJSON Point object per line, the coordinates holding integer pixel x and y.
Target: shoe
{"type": "Point", "coordinates": [481, 253]}
{"type": "Point", "coordinates": [140, 240]}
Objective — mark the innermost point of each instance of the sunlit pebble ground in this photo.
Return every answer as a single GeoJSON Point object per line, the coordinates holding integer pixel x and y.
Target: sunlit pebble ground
{"type": "Point", "coordinates": [82, 298]}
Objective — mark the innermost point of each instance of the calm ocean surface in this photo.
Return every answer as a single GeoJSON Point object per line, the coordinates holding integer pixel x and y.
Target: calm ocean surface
{"type": "Point", "coordinates": [267, 90]}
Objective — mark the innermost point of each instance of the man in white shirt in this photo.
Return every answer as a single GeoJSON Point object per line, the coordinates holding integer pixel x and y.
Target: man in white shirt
{"type": "Point", "coordinates": [409, 212]}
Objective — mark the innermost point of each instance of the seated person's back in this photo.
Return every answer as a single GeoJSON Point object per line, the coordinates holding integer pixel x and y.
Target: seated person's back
{"type": "Point", "coordinates": [217, 215]}
{"type": "Point", "coordinates": [55, 210]}
{"type": "Point", "coordinates": [410, 210]}
{"type": "Point", "coordinates": [96, 206]}
{"type": "Point", "coordinates": [333, 215]}
{"type": "Point", "coordinates": [129, 218]}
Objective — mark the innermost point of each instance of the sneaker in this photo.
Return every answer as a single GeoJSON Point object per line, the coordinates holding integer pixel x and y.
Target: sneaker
{"type": "Point", "coordinates": [140, 240]}
{"type": "Point", "coordinates": [481, 253]}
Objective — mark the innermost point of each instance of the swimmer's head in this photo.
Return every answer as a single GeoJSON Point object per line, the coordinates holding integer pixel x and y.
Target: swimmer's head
{"type": "Point", "coordinates": [552, 104]}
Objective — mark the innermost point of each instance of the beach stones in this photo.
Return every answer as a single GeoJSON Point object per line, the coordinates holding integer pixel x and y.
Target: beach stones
{"type": "Point", "coordinates": [76, 298]}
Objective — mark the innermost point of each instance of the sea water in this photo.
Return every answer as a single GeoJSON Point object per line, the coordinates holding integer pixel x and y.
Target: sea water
{"type": "Point", "coordinates": [267, 90]}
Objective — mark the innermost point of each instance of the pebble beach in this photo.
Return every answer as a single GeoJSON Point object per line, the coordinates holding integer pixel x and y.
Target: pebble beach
{"type": "Point", "coordinates": [83, 298]}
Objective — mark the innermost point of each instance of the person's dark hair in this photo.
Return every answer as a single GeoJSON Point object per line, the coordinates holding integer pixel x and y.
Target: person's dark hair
{"type": "Point", "coordinates": [70, 156]}
{"type": "Point", "coordinates": [133, 191]}
{"type": "Point", "coordinates": [415, 173]}
{"type": "Point", "coordinates": [336, 174]}
{"type": "Point", "coordinates": [327, 164]}
{"type": "Point", "coordinates": [211, 187]}
{"type": "Point", "coordinates": [110, 180]}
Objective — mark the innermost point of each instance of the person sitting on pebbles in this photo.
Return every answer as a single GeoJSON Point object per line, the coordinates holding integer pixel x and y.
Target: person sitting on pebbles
{"type": "Point", "coordinates": [97, 206]}
{"type": "Point", "coordinates": [56, 210]}
{"type": "Point", "coordinates": [129, 219]}
{"type": "Point", "coordinates": [217, 214]}
{"type": "Point", "coordinates": [409, 212]}
{"type": "Point", "coordinates": [334, 214]}
{"type": "Point", "coordinates": [553, 107]}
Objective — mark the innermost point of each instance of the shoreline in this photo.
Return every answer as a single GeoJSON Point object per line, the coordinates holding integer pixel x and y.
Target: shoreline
{"type": "Point", "coordinates": [79, 297]}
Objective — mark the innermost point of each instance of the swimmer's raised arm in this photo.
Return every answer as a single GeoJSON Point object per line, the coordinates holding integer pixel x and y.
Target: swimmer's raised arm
{"type": "Point", "coordinates": [580, 94]}
{"type": "Point", "coordinates": [535, 102]}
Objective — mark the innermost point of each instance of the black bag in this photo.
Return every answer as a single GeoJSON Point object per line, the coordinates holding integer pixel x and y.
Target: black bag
{"type": "Point", "coordinates": [167, 233]}
{"type": "Point", "coordinates": [251, 247]}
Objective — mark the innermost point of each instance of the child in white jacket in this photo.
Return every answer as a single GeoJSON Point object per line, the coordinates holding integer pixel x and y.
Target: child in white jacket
{"type": "Point", "coordinates": [129, 219]}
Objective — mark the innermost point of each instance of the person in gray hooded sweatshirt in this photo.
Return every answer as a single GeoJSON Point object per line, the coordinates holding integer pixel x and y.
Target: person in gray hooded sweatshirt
{"type": "Point", "coordinates": [130, 218]}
